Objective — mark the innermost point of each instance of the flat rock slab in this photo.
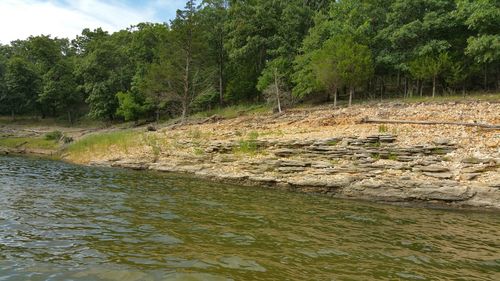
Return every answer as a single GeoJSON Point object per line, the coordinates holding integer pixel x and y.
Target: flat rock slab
{"type": "Point", "coordinates": [445, 175]}
{"type": "Point", "coordinates": [434, 169]}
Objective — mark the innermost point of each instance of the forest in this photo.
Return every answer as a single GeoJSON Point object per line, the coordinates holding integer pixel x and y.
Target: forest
{"type": "Point", "coordinates": [218, 53]}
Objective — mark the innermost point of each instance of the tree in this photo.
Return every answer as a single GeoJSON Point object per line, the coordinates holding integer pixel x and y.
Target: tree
{"type": "Point", "coordinates": [215, 16]}
{"type": "Point", "coordinates": [430, 67]}
{"type": "Point", "coordinates": [186, 56]}
{"type": "Point", "coordinates": [22, 86]}
{"type": "Point", "coordinates": [482, 18]}
{"type": "Point", "coordinates": [361, 20]}
{"type": "Point", "coordinates": [342, 62]}
{"type": "Point", "coordinates": [273, 86]}
{"type": "Point", "coordinates": [161, 84]}
{"type": "Point", "coordinates": [3, 86]}
{"type": "Point", "coordinates": [104, 71]}
{"type": "Point", "coordinates": [60, 89]}
{"type": "Point", "coordinates": [130, 108]}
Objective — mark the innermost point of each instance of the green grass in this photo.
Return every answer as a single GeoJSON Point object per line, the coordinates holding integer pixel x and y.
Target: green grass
{"type": "Point", "coordinates": [103, 142]}
{"type": "Point", "coordinates": [31, 143]}
{"type": "Point", "coordinates": [248, 145]}
{"type": "Point", "coordinates": [383, 129]}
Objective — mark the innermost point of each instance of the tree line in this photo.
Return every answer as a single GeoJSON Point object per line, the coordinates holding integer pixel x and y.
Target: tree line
{"type": "Point", "coordinates": [218, 52]}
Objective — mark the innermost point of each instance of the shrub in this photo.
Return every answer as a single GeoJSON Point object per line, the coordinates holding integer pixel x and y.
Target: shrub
{"type": "Point", "coordinates": [55, 135]}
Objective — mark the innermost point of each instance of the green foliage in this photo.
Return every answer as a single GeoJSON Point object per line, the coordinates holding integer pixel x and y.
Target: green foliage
{"type": "Point", "coordinates": [484, 49]}
{"type": "Point", "coordinates": [101, 143]}
{"type": "Point", "coordinates": [342, 62]}
{"type": "Point", "coordinates": [383, 129]}
{"type": "Point", "coordinates": [249, 145]}
{"type": "Point", "coordinates": [55, 135]}
{"type": "Point", "coordinates": [31, 143]}
{"type": "Point", "coordinates": [129, 107]}
{"type": "Point", "coordinates": [22, 85]}
{"type": "Point", "coordinates": [221, 53]}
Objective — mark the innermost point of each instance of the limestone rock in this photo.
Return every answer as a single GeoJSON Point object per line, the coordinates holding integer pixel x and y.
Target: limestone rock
{"type": "Point", "coordinates": [443, 175]}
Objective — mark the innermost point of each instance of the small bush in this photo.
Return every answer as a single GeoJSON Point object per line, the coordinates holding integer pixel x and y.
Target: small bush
{"type": "Point", "coordinates": [392, 157]}
{"type": "Point", "coordinates": [195, 134]}
{"type": "Point", "coordinates": [383, 129]}
{"type": "Point", "coordinates": [55, 135]}
{"type": "Point", "coordinates": [332, 143]}
{"type": "Point", "coordinates": [249, 145]}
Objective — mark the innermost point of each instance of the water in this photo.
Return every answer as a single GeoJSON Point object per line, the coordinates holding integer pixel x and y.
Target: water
{"type": "Point", "coordinates": [65, 222]}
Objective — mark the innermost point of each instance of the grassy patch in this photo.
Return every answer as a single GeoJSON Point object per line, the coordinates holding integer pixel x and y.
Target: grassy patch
{"type": "Point", "coordinates": [332, 143]}
{"type": "Point", "coordinates": [31, 143]}
{"type": "Point", "coordinates": [198, 151]}
{"type": "Point", "coordinates": [392, 157]}
{"type": "Point", "coordinates": [103, 144]}
{"type": "Point", "coordinates": [54, 136]}
{"type": "Point", "coordinates": [248, 145]}
{"type": "Point", "coordinates": [383, 129]}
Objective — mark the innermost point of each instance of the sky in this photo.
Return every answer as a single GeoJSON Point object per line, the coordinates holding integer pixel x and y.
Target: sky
{"type": "Point", "coordinates": [20, 19]}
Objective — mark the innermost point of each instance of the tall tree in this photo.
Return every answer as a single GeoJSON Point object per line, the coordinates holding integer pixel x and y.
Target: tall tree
{"type": "Point", "coordinates": [482, 18]}
{"type": "Point", "coordinates": [342, 62]}
{"type": "Point", "coordinates": [214, 18]}
{"type": "Point", "coordinates": [188, 53]}
{"type": "Point", "coordinates": [22, 86]}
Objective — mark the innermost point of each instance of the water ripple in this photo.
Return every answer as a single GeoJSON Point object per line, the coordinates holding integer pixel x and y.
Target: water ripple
{"type": "Point", "coordinates": [65, 222]}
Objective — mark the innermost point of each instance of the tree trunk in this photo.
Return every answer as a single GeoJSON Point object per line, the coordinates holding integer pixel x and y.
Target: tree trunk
{"type": "Point", "coordinates": [406, 87]}
{"type": "Point", "coordinates": [158, 115]}
{"type": "Point", "coordinates": [277, 89]}
{"type": "Point", "coordinates": [399, 81]}
{"type": "Point", "coordinates": [12, 115]}
{"type": "Point", "coordinates": [185, 97]}
{"type": "Point", "coordinates": [221, 69]}
{"type": "Point", "coordinates": [184, 112]}
{"type": "Point", "coordinates": [351, 93]}
{"type": "Point", "coordinates": [485, 77]}
{"type": "Point", "coordinates": [434, 86]}
{"type": "Point", "coordinates": [335, 97]}
{"type": "Point", "coordinates": [382, 88]}
{"type": "Point", "coordinates": [69, 118]}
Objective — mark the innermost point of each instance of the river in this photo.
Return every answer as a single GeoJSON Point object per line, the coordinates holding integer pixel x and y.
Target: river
{"type": "Point", "coordinates": [65, 222]}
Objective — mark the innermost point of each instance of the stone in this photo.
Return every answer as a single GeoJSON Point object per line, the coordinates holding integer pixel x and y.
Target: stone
{"type": "Point", "coordinates": [284, 152]}
{"type": "Point", "coordinates": [292, 163]}
{"type": "Point", "coordinates": [308, 182]}
{"type": "Point", "coordinates": [443, 175]}
{"type": "Point", "coordinates": [442, 141]}
{"type": "Point", "coordinates": [434, 169]}
{"type": "Point", "coordinates": [321, 165]}
{"type": "Point", "coordinates": [470, 177]}
{"type": "Point", "coordinates": [444, 193]}
{"type": "Point", "coordinates": [262, 179]}
{"type": "Point", "coordinates": [474, 160]}
{"type": "Point", "coordinates": [288, 170]}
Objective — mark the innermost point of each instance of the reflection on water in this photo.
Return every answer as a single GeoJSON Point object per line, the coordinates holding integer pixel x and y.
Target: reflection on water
{"type": "Point", "coordinates": [64, 222]}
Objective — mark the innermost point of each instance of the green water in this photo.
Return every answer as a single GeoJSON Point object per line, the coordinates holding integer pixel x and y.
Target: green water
{"type": "Point", "coordinates": [65, 222]}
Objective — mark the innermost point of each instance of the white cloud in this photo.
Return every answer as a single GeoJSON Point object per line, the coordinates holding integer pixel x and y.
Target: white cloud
{"type": "Point", "coordinates": [20, 19]}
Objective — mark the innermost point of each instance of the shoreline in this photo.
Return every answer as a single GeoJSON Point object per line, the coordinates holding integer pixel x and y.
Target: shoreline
{"type": "Point", "coordinates": [326, 151]}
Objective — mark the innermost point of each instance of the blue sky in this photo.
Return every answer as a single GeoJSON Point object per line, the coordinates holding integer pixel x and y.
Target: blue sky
{"type": "Point", "coordinates": [66, 18]}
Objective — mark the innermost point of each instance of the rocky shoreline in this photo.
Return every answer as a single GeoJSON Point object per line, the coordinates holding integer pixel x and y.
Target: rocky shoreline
{"type": "Point", "coordinates": [374, 168]}
{"type": "Point", "coordinates": [328, 151]}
